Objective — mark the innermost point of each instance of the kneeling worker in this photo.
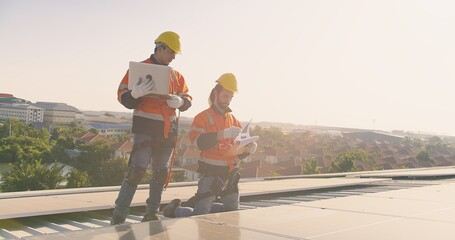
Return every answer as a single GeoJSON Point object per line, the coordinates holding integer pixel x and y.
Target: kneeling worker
{"type": "Point", "coordinates": [213, 132]}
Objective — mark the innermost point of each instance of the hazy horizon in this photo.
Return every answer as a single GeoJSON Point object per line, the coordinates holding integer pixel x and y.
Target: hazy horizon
{"type": "Point", "coordinates": [284, 123]}
{"type": "Point", "coordinates": [383, 65]}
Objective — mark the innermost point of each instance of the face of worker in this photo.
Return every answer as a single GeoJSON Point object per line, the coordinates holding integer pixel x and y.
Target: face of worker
{"type": "Point", "coordinates": [164, 55]}
{"type": "Point", "coordinates": [223, 99]}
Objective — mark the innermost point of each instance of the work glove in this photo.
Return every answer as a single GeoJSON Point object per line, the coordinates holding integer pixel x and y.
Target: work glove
{"type": "Point", "coordinates": [251, 147]}
{"type": "Point", "coordinates": [231, 132]}
{"type": "Point", "coordinates": [142, 88]}
{"type": "Point", "coordinates": [175, 101]}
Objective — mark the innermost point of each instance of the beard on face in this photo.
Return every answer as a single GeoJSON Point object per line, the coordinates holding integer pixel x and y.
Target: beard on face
{"type": "Point", "coordinates": [223, 106]}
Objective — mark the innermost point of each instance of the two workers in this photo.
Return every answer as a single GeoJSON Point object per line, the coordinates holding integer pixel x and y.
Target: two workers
{"type": "Point", "coordinates": [155, 133]}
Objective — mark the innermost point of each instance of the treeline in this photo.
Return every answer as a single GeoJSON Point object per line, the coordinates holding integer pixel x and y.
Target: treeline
{"type": "Point", "coordinates": [423, 150]}
{"type": "Point", "coordinates": [343, 162]}
{"type": "Point", "coordinates": [33, 156]}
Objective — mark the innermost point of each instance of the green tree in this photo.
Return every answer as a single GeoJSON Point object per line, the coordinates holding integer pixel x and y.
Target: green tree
{"type": "Point", "coordinates": [91, 159]}
{"type": "Point", "coordinates": [111, 172]}
{"type": "Point", "coordinates": [24, 176]}
{"type": "Point", "coordinates": [77, 179]}
{"type": "Point", "coordinates": [14, 127]}
{"type": "Point", "coordinates": [178, 176]}
{"type": "Point", "coordinates": [22, 147]}
{"type": "Point", "coordinates": [92, 155]}
{"type": "Point", "coordinates": [344, 163]}
{"type": "Point", "coordinates": [273, 133]}
{"type": "Point", "coordinates": [280, 140]}
{"type": "Point", "coordinates": [424, 156]}
{"type": "Point", "coordinates": [19, 141]}
{"type": "Point", "coordinates": [417, 143]}
{"type": "Point", "coordinates": [435, 140]}
{"type": "Point", "coordinates": [436, 144]}
{"type": "Point", "coordinates": [97, 161]}
{"type": "Point", "coordinates": [64, 136]}
{"type": "Point", "coordinates": [256, 131]}
{"type": "Point", "coordinates": [123, 138]}
{"type": "Point", "coordinates": [93, 130]}
{"type": "Point", "coordinates": [311, 167]}
{"type": "Point", "coordinates": [367, 157]}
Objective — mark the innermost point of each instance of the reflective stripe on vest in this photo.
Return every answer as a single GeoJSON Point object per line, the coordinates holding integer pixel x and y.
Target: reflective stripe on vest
{"type": "Point", "coordinates": [153, 116]}
{"type": "Point", "coordinates": [211, 120]}
{"type": "Point", "coordinates": [214, 162]}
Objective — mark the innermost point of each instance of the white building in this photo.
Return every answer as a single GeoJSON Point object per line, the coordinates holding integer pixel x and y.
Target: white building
{"type": "Point", "coordinates": [24, 112]}
{"type": "Point", "coordinates": [57, 113]}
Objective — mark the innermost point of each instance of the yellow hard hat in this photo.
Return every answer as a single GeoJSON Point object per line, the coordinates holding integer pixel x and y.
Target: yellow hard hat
{"type": "Point", "coordinates": [171, 39]}
{"type": "Point", "coordinates": [228, 81]}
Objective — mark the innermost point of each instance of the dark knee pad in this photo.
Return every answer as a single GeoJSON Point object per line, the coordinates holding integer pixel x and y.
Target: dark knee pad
{"type": "Point", "coordinates": [159, 176]}
{"type": "Point", "coordinates": [135, 175]}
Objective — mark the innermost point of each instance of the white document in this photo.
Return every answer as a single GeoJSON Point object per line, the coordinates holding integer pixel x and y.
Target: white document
{"type": "Point", "coordinates": [244, 137]}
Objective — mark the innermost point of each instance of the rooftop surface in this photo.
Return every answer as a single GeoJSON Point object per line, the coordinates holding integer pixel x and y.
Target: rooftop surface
{"type": "Point", "coordinates": [403, 209]}
{"type": "Point", "coordinates": [24, 204]}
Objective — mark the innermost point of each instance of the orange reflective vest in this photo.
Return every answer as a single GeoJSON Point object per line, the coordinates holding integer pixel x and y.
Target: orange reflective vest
{"type": "Point", "coordinates": [156, 108]}
{"type": "Point", "coordinates": [210, 121]}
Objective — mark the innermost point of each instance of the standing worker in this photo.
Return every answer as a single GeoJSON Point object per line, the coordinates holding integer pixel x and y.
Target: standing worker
{"type": "Point", "coordinates": [213, 132]}
{"type": "Point", "coordinates": [154, 128]}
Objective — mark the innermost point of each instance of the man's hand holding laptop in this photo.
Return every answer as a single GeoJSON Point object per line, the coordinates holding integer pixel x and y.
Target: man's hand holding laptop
{"type": "Point", "coordinates": [142, 88]}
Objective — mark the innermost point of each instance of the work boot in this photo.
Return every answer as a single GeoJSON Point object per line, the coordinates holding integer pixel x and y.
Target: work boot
{"type": "Point", "coordinates": [116, 219]}
{"type": "Point", "coordinates": [169, 210]}
{"type": "Point", "coordinates": [151, 216]}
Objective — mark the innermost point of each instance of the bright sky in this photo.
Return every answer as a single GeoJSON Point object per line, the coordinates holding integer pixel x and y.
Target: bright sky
{"type": "Point", "coordinates": [387, 64]}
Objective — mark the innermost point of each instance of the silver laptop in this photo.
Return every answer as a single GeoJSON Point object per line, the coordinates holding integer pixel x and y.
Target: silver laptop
{"type": "Point", "coordinates": [158, 74]}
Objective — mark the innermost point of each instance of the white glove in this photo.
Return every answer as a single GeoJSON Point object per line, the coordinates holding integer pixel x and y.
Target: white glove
{"type": "Point", "coordinates": [231, 132]}
{"type": "Point", "coordinates": [175, 101]}
{"type": "Point", "coordinates": [142, 88]}
{"type": "Point", "coordinates": [251, 147]}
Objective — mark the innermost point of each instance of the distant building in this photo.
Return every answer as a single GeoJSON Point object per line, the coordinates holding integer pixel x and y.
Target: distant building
{"type": "Point", "coordinates": [6, 95]}
{"type": "Point", "coordinates": [370, 136]}
{"type": "Point", "coordinates": [57, 113]}
{"type": "Point", "coordinates": [123, 149]}
{"type": "Point", "coordinates": [9, 98]}
{"type": "Point", "coordinates": [23, 112]}
{"type": "Point", "coordinates": [90, 138]}
{"type": "Point", "coordinates": [109, 129]}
